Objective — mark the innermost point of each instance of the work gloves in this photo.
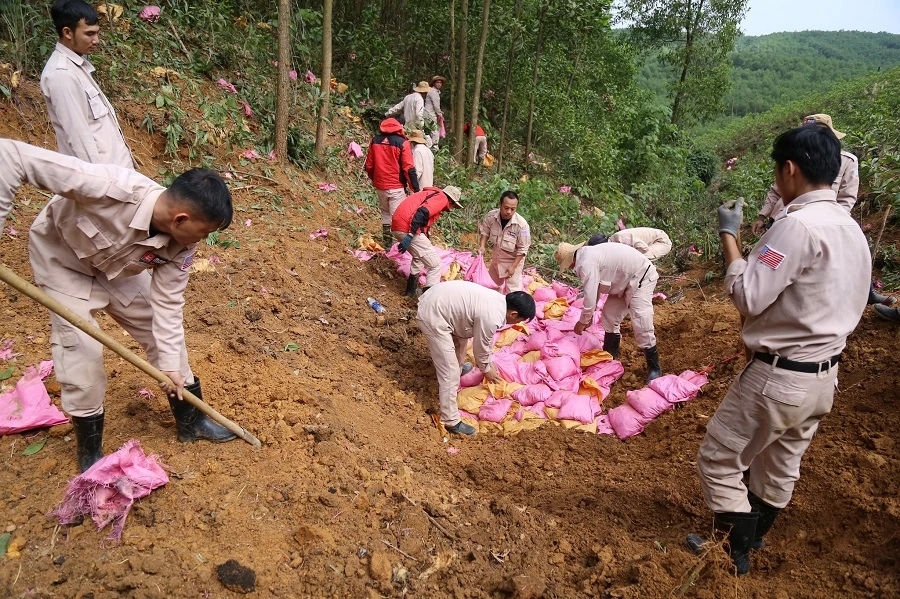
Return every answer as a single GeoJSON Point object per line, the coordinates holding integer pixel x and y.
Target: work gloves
{"type": "Point", "coordinates": [731, 214]}
{"type": "Point", "coordinates": [404, 244]}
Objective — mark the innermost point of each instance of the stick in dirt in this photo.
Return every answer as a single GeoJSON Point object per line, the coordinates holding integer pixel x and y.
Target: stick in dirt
{"type": "Point", "coordinates": [55, 306]}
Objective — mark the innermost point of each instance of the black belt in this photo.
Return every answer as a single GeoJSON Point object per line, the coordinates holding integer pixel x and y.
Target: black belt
{"type": "Point", "coordinates": [808, 367]}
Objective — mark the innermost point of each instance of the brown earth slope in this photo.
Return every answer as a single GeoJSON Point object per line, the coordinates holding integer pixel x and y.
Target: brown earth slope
{"type": "Point", "coordinates": [354, 494]}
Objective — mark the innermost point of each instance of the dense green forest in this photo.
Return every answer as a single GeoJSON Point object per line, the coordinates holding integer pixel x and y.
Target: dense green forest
{"type": "Point", "coordinates": [770, 69]}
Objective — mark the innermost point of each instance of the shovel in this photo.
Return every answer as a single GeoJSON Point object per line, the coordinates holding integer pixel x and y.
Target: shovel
{"type": "Point", "coordinates": [20, 284]}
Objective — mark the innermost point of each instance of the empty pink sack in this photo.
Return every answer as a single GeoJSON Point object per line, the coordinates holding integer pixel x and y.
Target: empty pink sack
{"type": "Point", "coordinates": [471, 378]}
{"type": "Point", "coordinates": [494, 410]}
{"type": "Point", "coordinates": [532, 394]}
{"type": "Point", "coordinates": [544, 294]}
{"type": "Point", "coordinates": [674, 388]}
{"type": "Point", "coordinates": [28, 406]}
{"type": "Point", "coordinates": [605, 373]}
{"type": "Point", "coordinates": [624, 421]}
{"type": "Point", "coordinates": [562, 367]}
{"type": "Point", "coordinates": [648, 403]}
{"type": "Point", "coordinates": [582, 408]}
{"type": "Point", "coordinates": [478, 273]}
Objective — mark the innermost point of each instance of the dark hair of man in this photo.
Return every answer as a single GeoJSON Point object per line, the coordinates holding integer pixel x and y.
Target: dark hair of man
{"type": "Point", "coordinates": [68, 13]}
{"type": "Point", "coordinates": [509, 194]}
{"type": "Point", "coordinates": [522, 303]}
{"type": "Point", "coordinates": [814, 149]}
{"type": "Point", "coordinates": [206, 192]}
{"type": "Point", "coordinates": [597, 239]}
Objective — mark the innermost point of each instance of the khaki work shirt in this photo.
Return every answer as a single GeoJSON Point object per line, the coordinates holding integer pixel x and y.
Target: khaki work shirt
{"type": "Point", "coordinates": [804, 286]}
{"type": "Point", "coordinates": [641, 238]}
{"type": "Point", "coordinates": [83, 119]}
{"type": "Point", "coordinates": [510, 241]}
{"type": "Point", "coordinates": [433, 103]}
{"type": "Point", "coordinates": [412, 107]}
{"type": "Point", "coordinates": [98, 229]}
{"type": "Point", "coordinates": [424, 161]}
{"type": "Point", "coordinates": [846, 186]}
{"type": "Point", "coordinates": [467, 311]}
{"type": "Point", "coordinates": [612, 268]}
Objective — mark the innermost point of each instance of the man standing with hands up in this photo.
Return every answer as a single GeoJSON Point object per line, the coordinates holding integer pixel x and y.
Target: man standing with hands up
{"type": "Point", "coordinates": [802, 291]}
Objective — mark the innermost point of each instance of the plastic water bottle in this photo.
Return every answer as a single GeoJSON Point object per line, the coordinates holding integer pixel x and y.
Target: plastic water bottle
{"type": "Point", "coordinates": [375, 305]}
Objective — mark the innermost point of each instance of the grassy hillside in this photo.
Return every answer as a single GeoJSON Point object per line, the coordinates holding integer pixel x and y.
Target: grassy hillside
{"type": "Point", "coordinates": [770, 69]}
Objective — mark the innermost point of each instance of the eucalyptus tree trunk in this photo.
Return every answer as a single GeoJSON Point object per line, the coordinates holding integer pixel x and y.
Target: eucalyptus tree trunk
{"type": "Point", "coordinates": [321, 129]}
{"type": "Point", "coordinates": [479, 67]}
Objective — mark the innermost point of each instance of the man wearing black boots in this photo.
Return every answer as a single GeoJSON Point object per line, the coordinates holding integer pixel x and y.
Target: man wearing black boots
{"type": "Point", "coordinates": [802, 291]}
{"type": "Point", "coordinates": [630, 280]}
{"type": "Point", "coordinates": [92, 248]}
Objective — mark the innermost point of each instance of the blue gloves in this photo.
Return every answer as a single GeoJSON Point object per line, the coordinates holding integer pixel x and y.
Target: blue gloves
{"type": "Point", "coordinates": [404, 245]}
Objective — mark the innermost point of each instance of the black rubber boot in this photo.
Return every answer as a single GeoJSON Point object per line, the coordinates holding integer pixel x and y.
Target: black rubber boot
{"type": "Point", "coordinates": [88, 440]}
{"type": "Point", "coordinates": [611, 344]}
{"type": "Point", "coordinates": [387, 240]}
{"type": "Point", "coordinates": [653, 369]}
{"type": "Point", "coordinates": [192, 424]}
{"type": "Point", "coordinates": [426, 288]}
{"type": "Point", "coordinates": [767, 515]}
{"type": "Point", "coordinates": [877, 298]}
{"type": "Point", "coordinates": [741, 529]}
{"type": "Point", "coordinates": [412, 283]}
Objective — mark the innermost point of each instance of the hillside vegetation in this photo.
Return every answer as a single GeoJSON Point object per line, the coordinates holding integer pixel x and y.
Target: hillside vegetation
{"type": "Point", "coordinates": [768, 70]}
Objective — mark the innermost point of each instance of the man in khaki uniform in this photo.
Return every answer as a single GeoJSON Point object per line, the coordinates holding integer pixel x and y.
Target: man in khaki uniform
{"type": "Point", "coordinates": [412, 107]}
{"type": "Point", "coordinates": [630, 279]}
{"type": "Point", "coordinates": [422, 158]}
{"type": "Point", "coordinates": [508, 232]}
{"type": "Point", "coordinates": [434, 116]}
{"type": "Point", "coordinates": [802, 292]}
{"type": "Point", "coordinates": [454, 312]}
{"type": "Point", "coordinates": [91, 248]}
{"type": "Point", "coordinates": [653, 243]}
{"type": "Point", "coordinates": [83, 119]}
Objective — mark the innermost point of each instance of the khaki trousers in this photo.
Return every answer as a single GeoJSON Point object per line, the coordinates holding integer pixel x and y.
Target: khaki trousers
{"type": "Point", "coordinates": [448, 353]}
{"type": "Point", "coordinates": [423, 255]}
{"type": "Point", "coordinates": [501, 263]}
{"type": "Point", "coordinates": [764, 425]}
{"type": "Point", "coordinates": [481, 148]}
{"type": "Point", "coordinates": [78, 357]}
{"type": "Point", "coordinates": [388, 200]}
{"type": "Point", "coordinates": [638, 302]}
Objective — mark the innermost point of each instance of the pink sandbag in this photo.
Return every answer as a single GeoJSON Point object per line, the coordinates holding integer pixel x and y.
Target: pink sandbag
{"type": "Point", "coordinates": [109, 487]}
{"type": "Point", "coordinates": [570, 383]}
{"type": "Point", "coordinates": [527, 373]}
{"type": "Point", "coordinates": [605, 373]}
{"type": "Point", "coordinates": [557, 398]}
{"type": "Point", "coordinates": [648, 403]}
{"type": "Point", "coordinates": [537, 408]}
{"type": "Point", "coordinates": [478, 273]}
{"type": "Point", "coordinates": [579, 303]}
{"type": "Point", "coordinates": [625, 421]}
{"type": "Point", "coordinates": [471, 378]}
{"type": "Point", "coordinates": [469, 415]}
{"type": "Point", "coordinates": [583, 408]}
{"type": "Point", "coordinates": [572, 315]}
{"type": "Point", "coordinates": [443, 130]}
{"type": "Point", "coordinates": [544, 294]}
{"type": "Point", "coordinates": [517, 347]}
{"type": "Point", "coordinates": [561, 367]}
{"type": "Point", "coordinates": [674, 388]}
{"type": "Point", "coordinates": [530, 395]}
{"type": "Point", "coordinates": [561, 348]}
{"type": "Point", "coordinates": [536, 341]}
{"type": "Point", "coordinates": [695, 377]}
{"type": "Point", "coordinates": [560, 326]}
{"type": "Point", "coordinates": [28, 405]}
{"type": "Point", "coordinates": [494, 410]}
{"type": "Point", "coordinates": [563, 290]}
{"type": "Point", "coordinates": [603, 427]}
{"type": "Point", "coordinates": [585, 342]}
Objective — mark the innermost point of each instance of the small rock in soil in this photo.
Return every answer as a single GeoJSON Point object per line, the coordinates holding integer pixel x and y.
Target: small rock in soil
{"type": "Point", "coordinates": [380, 567]}
{"type": "Point", "coordinates": [523, 586]}
{"type": "Point", "coordinates": [236, 577]}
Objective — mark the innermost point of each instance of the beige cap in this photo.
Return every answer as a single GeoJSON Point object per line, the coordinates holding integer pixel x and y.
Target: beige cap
{"type": "Point", "coordinates": [453, 193]}
{"type": "Point", "coordinates": [565, 255]}
{"type": "Point", "coordinates": [417, 136]}
{"type": "Point", "coordinates": [825, 119]}
{"type": "Point", "coordinates": [438, 78]}
{"type": "Point", "coordinates": [423, 87]}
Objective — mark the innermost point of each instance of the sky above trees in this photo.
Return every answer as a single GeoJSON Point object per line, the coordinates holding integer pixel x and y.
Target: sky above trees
{"type": "Point", "coordinates": [770, 16]}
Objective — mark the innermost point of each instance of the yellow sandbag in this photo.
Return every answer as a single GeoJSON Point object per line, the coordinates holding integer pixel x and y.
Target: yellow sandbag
{"type": "Point", "coordinates": [556, 309]}
{"type": "Point", "coordinates": [502, 389]}
{"type": "Point", "coordinates": [508, 336]}
{"type": "Point", "coordinates": [365, 242]}
{"type": "Point", "coordinates": [590, 387]}
{"type": "Point", "coordinates": [471, 399]}
{"type": "Point", "coordinates": [489, 428]}
{"type": "Point", "coordinates": [488, 161]}
{"type": "Point", "coordinates": [594, 356]}
{"type": "Point", "coordinates": [551, 412]}
{"type": "Point", "coordinates": [514, 427]}
{"type": "Point", "coordinates": [532, 356]}
{"type": "Point", "coordinates": [578, 426]}
{"type": "Point", "coordinates": [452, 272]}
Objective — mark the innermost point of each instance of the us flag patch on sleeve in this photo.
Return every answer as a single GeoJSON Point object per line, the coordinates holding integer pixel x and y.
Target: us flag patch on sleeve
{"type": "Point", "coordinates": [771, 257]}
{"type": "Point", "coordinates": [188, 260]}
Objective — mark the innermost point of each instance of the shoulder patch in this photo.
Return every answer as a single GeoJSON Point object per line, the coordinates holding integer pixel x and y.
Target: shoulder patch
{"type": "Point", "coordinates": [771, 257]}
{"type": "Point", "coordinates": [188, 260]}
